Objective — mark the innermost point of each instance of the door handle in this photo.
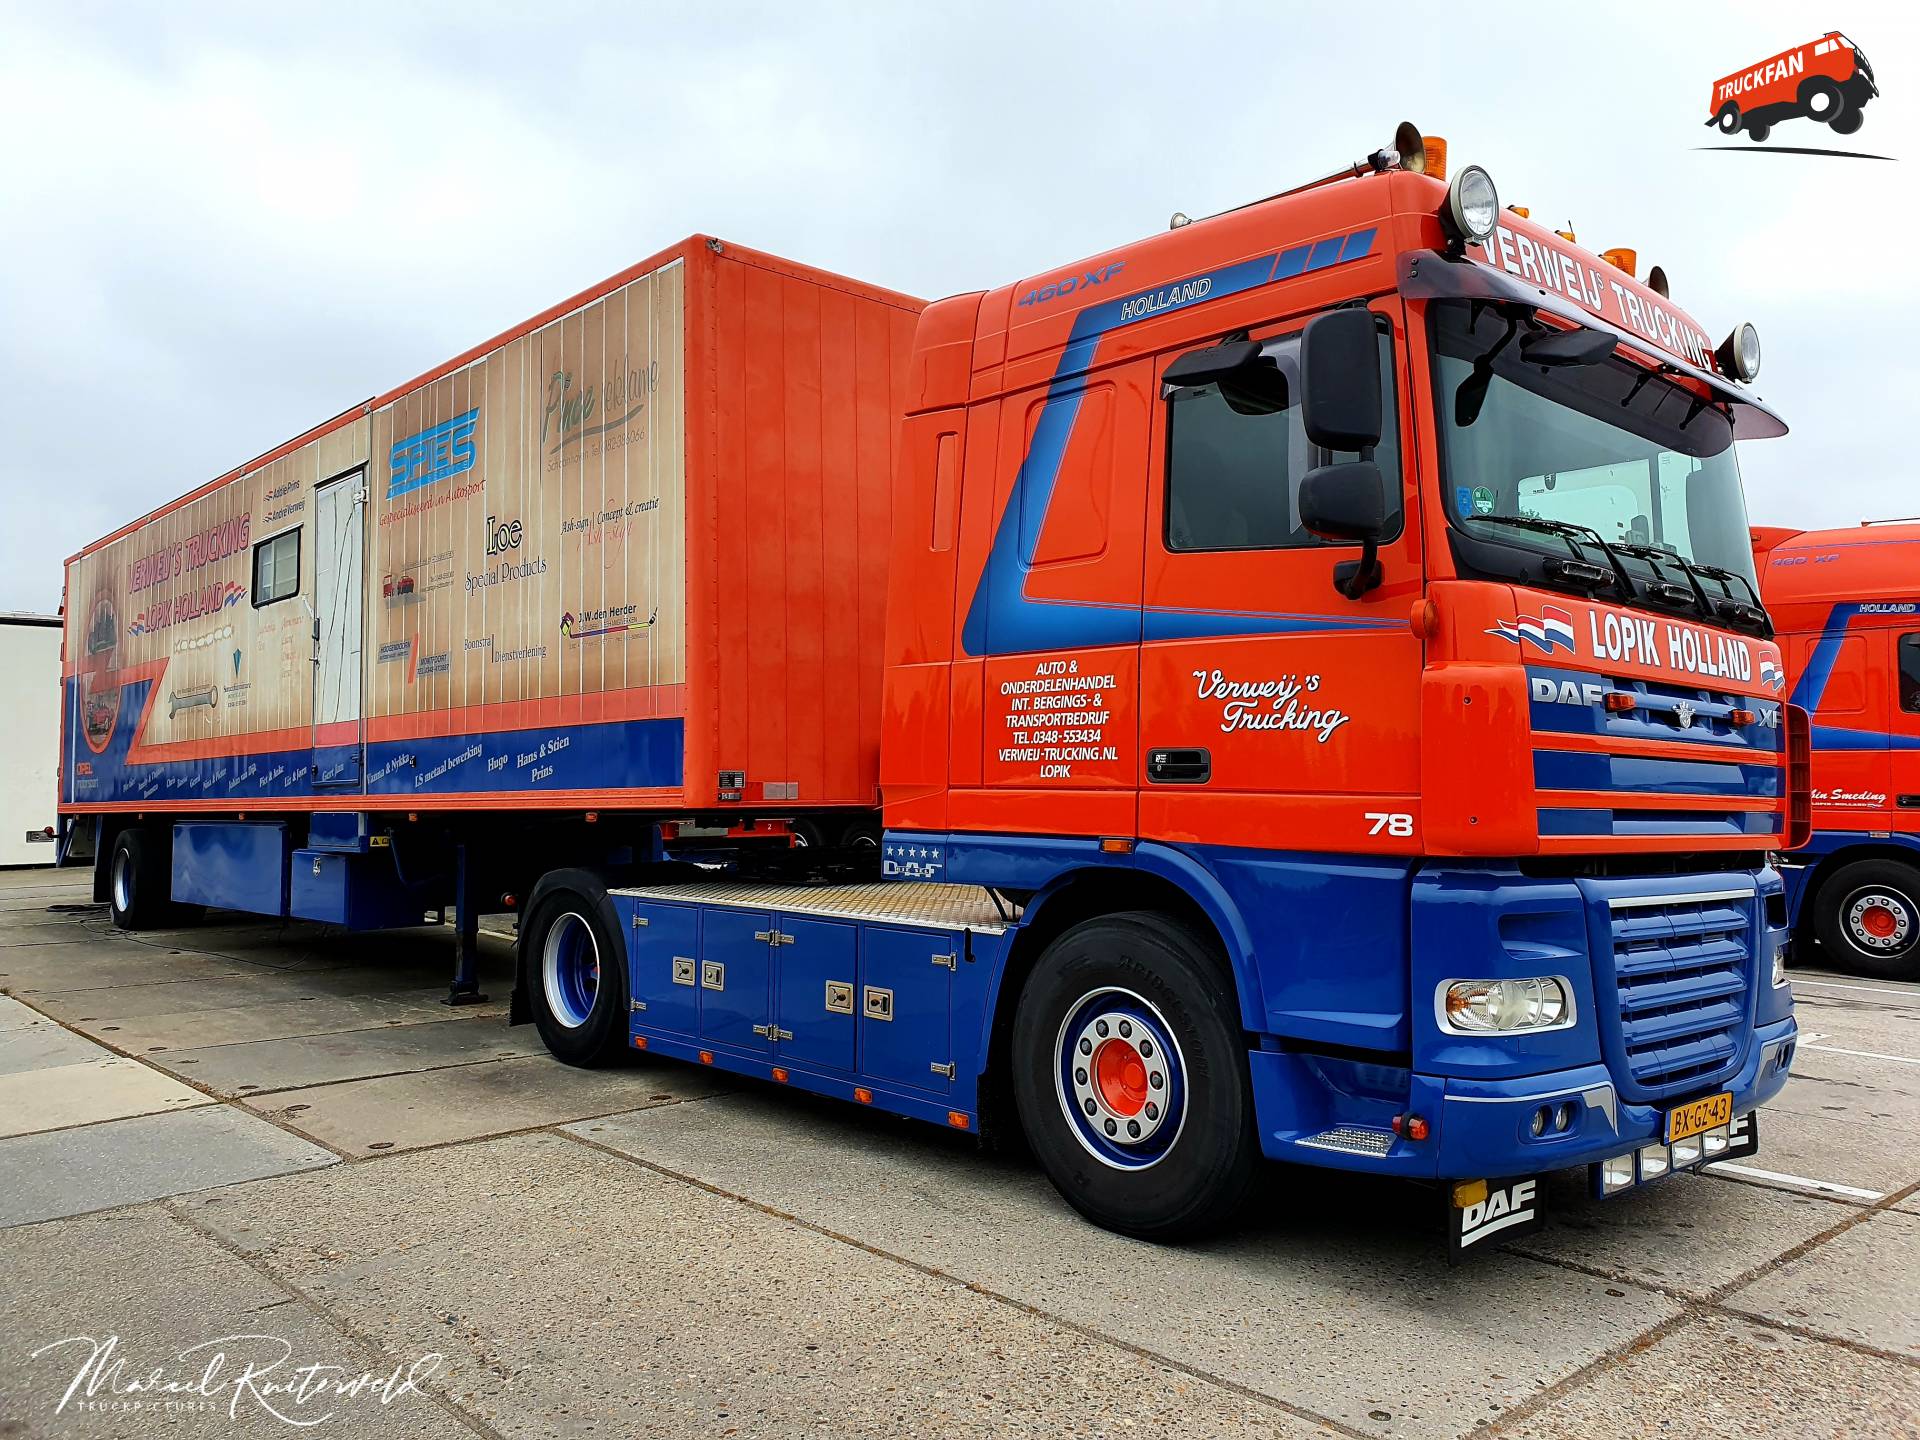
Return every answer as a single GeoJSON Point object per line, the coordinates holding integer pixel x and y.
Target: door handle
{"type": "Point", "coordinates": [1908, 802]}
{"type": "Point", "coordinates": [1190, 766]}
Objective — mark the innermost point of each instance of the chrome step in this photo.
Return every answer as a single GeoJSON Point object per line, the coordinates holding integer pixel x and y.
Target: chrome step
{"type": "Point", "coordinates": [1352, 1140]}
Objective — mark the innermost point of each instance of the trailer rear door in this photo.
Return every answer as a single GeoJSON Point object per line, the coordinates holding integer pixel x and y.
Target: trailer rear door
{"type": "Point", "coordinates": [339, 505]}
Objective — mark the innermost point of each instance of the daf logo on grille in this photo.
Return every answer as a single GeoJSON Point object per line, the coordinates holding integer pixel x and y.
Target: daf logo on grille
{"type": "Point", "coordinates": [1683, 714]}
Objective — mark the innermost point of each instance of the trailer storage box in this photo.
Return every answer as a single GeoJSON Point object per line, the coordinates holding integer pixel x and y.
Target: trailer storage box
{"type": "Point", "coordinates": [629, 554]}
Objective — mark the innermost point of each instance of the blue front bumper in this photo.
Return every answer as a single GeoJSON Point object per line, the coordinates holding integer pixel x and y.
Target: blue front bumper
{"type": "Point", "coordinates": [1482, 1128]}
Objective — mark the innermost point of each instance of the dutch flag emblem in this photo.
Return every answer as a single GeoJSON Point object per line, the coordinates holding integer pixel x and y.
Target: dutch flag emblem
{"type": "Point", "coordinates": [1771, 675]}
{"type": "Point", "coordinates": [1553, 628]}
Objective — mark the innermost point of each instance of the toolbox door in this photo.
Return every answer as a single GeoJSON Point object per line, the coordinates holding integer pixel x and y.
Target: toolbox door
{"type": "Point", "coordinates": [906, 1007]}
{"type": "Point", "coordinates": [736, 996]}
{"type": "Point", "coordinates": [814, 992]}
{"type": "Point", "coordinates": [663, 958]}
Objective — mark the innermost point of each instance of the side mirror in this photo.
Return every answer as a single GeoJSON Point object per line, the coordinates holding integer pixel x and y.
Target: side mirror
{"type": "Point", "coordinates": [1340, 381]}
{"type": "Point", "coordinates": [1344, 502]}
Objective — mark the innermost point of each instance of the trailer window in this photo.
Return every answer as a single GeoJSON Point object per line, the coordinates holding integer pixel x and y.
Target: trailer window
{"type": "Point", "coordinates": [1910, 673]}
{"type": "Point", "coordinates": [276, 568]}
{"type": "Point", "coordinates": [1236, 455]}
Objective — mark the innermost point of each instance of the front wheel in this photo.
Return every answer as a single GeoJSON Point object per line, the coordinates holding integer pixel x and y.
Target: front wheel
{"type": "Point", "coordinates": [576, 974]}
{"type": "Point", "coordinates": [1868, 919]}
{"type": "Point", "coordinates": [1131, 1081]}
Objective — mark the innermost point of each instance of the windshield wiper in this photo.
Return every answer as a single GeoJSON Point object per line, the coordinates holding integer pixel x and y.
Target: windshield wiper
{"type": "Point", "coordinates": [1579, 570]}
{"type": "Point", "coordinates": [1735, 612]}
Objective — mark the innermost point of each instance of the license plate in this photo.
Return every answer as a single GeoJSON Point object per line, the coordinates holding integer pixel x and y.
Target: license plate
{"type": "Point", "coordinates": [1696, 1117]}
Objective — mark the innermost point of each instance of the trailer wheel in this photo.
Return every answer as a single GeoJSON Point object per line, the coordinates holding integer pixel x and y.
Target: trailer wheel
{"type": "Point", "coordinates": [1728, 119]}
{"type": "Point", "coordinates": [1130, 1079]}
{"type": "Point", "coordinates": [140, 881]}
{"type": "Point", "coordinates": [1867, 916]}
{"type": "Point", "coordinates": [576, 980]}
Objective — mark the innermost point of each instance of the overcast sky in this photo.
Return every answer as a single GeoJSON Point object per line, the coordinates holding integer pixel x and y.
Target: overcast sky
{"type": "Point", "coordinates": [220, 224]}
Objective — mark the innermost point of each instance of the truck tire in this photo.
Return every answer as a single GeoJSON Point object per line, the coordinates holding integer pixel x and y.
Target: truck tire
{"type": "Point", "coordinates": [1867, 918]}
{"type": "Point", "coordinates": [1758, 130]}
{"type": "Point", "coordinates": [140, 883]}
{"type": "Point", "coordinates": [1130, 1078]}
{"type": "Point", "coordinates": [1847, 121]}
{"type": "Point", "coordinates": [575, 970]}
{"type": "Point", "coordinates": [1728, 119]}
{"type": "Point", "coordinates": [1821, 100]}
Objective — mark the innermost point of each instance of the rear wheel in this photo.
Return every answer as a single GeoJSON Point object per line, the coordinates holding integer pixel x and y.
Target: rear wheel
{"type": "Point", "coordinates": [1847, 121]}
{"type": "Point", "coordinates": [576, 979]}
{"type": "Point", "coordinates": [140, 883]}
{"type": "Point", "coordinates": [1130, 1078]}
{"type": "Point", "coordinates": [1758, 131]}
{"type": "Point", "coordinates": [1868, 919]}
{"type": "Point", "coordinates": [1728, 119]}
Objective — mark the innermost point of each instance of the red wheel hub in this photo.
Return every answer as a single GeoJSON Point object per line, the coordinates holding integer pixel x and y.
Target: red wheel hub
{"type": "Point", "coordinates": [1879, 922]}
{"type": "Point", "coordinates": [1122, 1077]}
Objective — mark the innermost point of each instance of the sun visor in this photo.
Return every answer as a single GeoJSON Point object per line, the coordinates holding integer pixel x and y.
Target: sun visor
{"type": "Point", "coordinates": [1432, 276]}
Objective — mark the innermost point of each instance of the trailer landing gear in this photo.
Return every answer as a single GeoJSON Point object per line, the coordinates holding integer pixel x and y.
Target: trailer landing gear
{"type": "Point", "coordinates": [465, 989]}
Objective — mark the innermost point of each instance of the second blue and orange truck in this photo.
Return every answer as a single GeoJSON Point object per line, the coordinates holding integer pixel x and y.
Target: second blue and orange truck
{"type": "Point", "coordinates": [1293, 686]}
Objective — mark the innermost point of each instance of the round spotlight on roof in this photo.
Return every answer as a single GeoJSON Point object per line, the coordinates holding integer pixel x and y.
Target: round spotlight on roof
{"type": "Point", "coordinates": [1739, 353]}
{"type": "Point", "coordinates": [1473, 205]}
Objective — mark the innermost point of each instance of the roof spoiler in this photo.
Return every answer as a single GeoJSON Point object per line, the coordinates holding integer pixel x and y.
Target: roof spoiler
{"type": "Point", "coordinates": [1766, 537]}
{"type": "Point", "coordinates": [1430, 275]}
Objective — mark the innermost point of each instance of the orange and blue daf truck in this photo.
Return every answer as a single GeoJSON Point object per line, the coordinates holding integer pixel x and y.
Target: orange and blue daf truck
{"type": "Point", "coordinates": [1827, 80]}
{"type": "Point", "coordinates": [1848, 606]}
{"type": "Point", "coordinates": [1320, 710]}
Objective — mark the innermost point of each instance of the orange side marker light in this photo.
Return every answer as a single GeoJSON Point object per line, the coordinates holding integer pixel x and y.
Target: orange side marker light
{"type": "Point", "coordinates": [958, 1120]}
{"type": "Point", "coordinates": [706, 1057]}
{"type": "Point", "coordinates": [779, 1075]}
{"type": "Point", "coordinates": [639, 1042]}
{"type": "Point", "coordinates": [863, 1095]}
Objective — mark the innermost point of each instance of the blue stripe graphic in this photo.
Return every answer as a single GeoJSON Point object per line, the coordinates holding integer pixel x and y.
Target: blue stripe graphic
{"type": "Point", "coordinates": [1001, 618]}
{"type": "Point", "coordinates": [1647, 775]}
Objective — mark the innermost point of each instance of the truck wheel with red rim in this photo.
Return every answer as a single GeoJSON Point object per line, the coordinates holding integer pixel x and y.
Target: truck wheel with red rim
{"type": "Point", "coordinates": [1131, 1079]}
{"type": "Point", "coordinates": [1728, 119]}
{"type": "Point", "coordinates": [574, 970]}
{"type": "Point", "coordinates": [1868, 919]}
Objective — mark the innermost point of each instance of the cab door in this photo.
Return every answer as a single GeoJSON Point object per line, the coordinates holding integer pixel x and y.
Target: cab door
{"type": "Point", "coordinates": [1904, 754]}
{"type": "Point", "coordinates": [1275, 712]}
{"type": "Point", "coordinates": [1844, 687]}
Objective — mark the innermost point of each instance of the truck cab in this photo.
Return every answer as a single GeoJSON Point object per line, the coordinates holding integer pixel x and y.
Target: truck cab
{"type": "Point", "coordinates": [1848, 606]}
{"type": "Point", "coordinates": [1331, 624]}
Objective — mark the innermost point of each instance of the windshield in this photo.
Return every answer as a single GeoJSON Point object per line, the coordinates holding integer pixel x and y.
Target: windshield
{"type": "Point", "coordinates": [1610, 447]}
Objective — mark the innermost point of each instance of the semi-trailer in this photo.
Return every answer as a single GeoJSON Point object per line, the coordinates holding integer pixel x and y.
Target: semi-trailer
{"type": "Point", "coordinates": [1324, 712]}
{"type": "Point", "coordinates": [1848, 606]}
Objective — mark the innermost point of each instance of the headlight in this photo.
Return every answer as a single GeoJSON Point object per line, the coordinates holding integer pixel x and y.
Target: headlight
{"type": "Point", "coordinates": [1780, 963]}
{"type": "Point", "coordinates": [1494, 1006]}
{"type": "Point", "coordinates": [1473, 205]}
{"type": "Point", "coordinates": [1739, 353]}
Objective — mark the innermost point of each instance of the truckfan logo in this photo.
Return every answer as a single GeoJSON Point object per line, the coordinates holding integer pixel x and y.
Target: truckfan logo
{"type": "Point", "coordinates": [1827, 80]}
{"type": "Point", "coordinates": [1553, 628]}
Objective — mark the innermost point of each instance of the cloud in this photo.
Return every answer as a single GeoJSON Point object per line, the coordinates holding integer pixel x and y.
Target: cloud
{"type": "Point", "coordinates": [227, 222]}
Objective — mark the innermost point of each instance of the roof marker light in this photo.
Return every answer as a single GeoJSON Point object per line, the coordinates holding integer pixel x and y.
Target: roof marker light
{"type": "Point", "coordinates": [1621, 258]}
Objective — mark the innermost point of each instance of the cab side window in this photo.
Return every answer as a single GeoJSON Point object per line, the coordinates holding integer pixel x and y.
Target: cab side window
{"type": "Point", "coordinates": [1237, 452]}
{"type": "Point", "coordinates": [1910, 673]}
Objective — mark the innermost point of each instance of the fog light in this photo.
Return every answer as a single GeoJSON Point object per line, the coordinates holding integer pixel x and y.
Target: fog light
{"type": "Point", "coordinates": [1686, 1152]}
{"type": "Point", "coordinates": [1563, 1117]}
{"type": "Point", "coordinates": [1654, 1162]}
{"type": "Point", "coordinates": [1538, 1124]}
{"type": "Point", "coordinates": [1481, 1006]}
{"type": "Point", "coordinates": [1616, 1174]}
{"type": "Point", "coordinates": [1780, 964]}
{"type": "Point", "coordinates": [1714, 1143]}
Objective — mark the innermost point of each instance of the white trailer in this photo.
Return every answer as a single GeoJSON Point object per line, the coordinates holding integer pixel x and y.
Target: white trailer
{"type": "Point", "coordinates": [29, 737]}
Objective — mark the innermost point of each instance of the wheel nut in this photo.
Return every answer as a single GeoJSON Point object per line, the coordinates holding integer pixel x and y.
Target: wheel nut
{"type": "Point", "coordinates": [1146, 1046]}
{"type": "Point", "coordinates": [1153, 1079]}
{"type": "Point", "coordinates": [1126, 1029]}
{"type": "Point", "coordinates": [1133, 1129]}
{"type": "Point", "coordinates": [1088, 1106]}
{"type": "Point", "coordinates": [1086, 1047]}
{"type": "Point", "coordinates": [1099, 1027]}
{"type": "Point", "coordinates": [1111, 1127]}
{"type": "Point", "coordinates": [1153, 1111]}
{"type": "Point", "coordinates": [1080, 1076]}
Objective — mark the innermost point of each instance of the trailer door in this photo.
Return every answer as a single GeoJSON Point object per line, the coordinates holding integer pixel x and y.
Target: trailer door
{"type": "Point", "coordinates": [339, 505]}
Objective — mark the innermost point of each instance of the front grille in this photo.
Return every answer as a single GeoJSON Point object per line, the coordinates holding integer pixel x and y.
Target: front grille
{"type": "Point", "coordinates": [1683, 967]}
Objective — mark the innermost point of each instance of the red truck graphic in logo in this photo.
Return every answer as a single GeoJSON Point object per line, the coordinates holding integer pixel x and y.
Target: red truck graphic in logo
{"type": "Point", "coordinates": [1827, 80]}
